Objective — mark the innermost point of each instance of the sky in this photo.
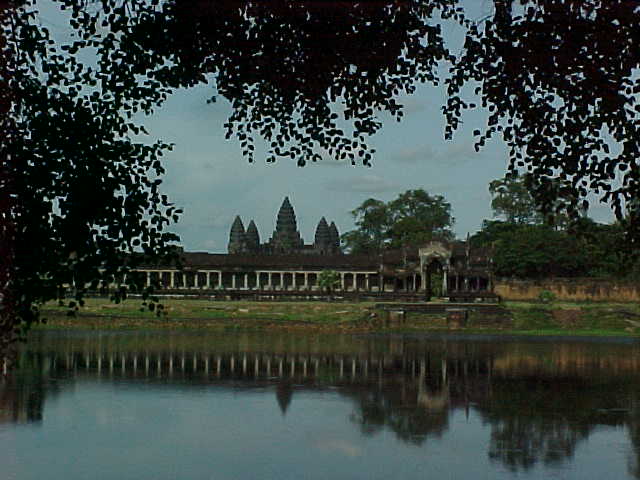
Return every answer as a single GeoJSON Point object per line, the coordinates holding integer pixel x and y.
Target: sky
{"type": "Point", "coordinates": [208, 177]}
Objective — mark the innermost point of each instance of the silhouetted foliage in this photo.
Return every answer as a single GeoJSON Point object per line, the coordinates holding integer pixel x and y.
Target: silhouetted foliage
{"type": "Point", "coordinates": [412, 219]}
{"type": "Point", "coordinates": [80, 193]}
{"type": "Point", "coordinates": [559, 79]}
{"type": "Point", "coordinates": [586, 249]}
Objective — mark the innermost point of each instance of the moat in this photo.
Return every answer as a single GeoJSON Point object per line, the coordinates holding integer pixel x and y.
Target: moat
{"type": "Point", "coordinates": [165, 405]}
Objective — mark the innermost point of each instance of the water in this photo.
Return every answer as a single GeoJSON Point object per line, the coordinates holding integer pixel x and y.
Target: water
{"type": "Point", "coordinates": [160, 405]}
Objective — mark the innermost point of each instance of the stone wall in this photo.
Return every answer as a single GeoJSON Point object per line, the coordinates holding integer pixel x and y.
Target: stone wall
{"type": "Point", "coordinates": [570, 289]}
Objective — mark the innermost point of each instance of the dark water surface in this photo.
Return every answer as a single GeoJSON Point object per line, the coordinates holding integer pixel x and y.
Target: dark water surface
{"type": "Point", "coordinates": [194, 405]}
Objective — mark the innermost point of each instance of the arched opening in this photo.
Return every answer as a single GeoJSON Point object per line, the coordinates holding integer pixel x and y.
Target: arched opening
{"type": "Point", "coordinates": [434, 278]}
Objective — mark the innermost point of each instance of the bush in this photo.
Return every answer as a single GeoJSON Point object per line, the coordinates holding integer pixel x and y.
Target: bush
{"type": "Point", "coordinates": [547, 296]}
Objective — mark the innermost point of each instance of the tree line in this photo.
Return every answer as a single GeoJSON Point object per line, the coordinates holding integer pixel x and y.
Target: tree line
{"type": "Point", "coordinates": [524, 241]}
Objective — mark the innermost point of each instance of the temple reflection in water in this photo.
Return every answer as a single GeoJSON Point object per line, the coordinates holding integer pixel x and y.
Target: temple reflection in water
{"type": "Point", "coordinates": [541, 400]}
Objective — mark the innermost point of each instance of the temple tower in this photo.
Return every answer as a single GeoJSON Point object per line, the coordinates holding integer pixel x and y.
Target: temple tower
{"type": "Point", "coordinates": [237, 237]}
{"type": "Point", "coordinates": [252, 237]}
{"type": "Point", "coordinates": [286, 237]}
{"type": "Point", "coordinates": [335, 236]}
{"type": "Point", "coordinates": [322, 242]}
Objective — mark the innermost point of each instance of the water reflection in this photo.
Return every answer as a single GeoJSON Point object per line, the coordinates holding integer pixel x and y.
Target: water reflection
{"type": "Point", "coordinates": [538, 401]}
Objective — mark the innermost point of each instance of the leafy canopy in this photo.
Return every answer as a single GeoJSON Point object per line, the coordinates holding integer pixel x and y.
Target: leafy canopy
{"type": "Point", "coordinates": [80, 193]}
{"type": "Point", "coordinates": [512, 201]}
{"type": "Point", "coordinates": [412, 219]}
{"type": "Point", "coordinates": [560, 82]}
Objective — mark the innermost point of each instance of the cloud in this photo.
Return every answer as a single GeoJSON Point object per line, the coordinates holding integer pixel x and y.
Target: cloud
{"type": "Point", "coordinates": [362, 184]}
{"type": "Point", "coordinates": [451, 154]}
{"type": "Point", "coordinates": [458, 151]}
{"type": "Point", "coordinates": [211, 245]}
{"type": "Point", "coordinates": [339, 446]}
{"type": "Point", "coordinates": [331, 162]}
{"type": "Point", "coordinates": [416, 154]}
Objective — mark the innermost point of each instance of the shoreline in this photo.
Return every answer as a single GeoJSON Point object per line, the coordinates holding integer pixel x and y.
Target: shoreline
{"type": "Point", "coordinates": [581, 319]}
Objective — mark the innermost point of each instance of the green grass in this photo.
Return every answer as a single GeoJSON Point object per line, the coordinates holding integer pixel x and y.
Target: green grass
{"type": "Point", "coordinates": [523, 318]}
{"type": "Point", "coordinates": [204, 313]}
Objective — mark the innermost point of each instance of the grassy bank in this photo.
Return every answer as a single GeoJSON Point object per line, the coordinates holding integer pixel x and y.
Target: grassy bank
{"type": "Point", "coordinates": [601, 319]}
{"type": "Point", "coordinates": [193, 313]}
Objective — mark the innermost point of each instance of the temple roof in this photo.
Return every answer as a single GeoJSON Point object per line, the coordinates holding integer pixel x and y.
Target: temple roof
{"type": "Point", "coordinates": [252, 236]}
{"type": "Point", "coordinates": [335, 236]}
{"type": "Point", "coordinates": [323, 234]}
{"type": "Point", "coordinates": [201, 259]}
{"type": "Point", "coordinates": [237, 230]}
{"type": "Point", "coordinates": [390, 259]}
{"type": "Point", "coordinates": [286, 221]}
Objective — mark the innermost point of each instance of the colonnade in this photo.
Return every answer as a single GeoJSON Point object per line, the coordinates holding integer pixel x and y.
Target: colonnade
{"type": "Point", "coordinates": [301, 281]}
{"type": "Point", "coordinates": [271, 280]}
{"type": "Point", "coordinates": [468, 283]}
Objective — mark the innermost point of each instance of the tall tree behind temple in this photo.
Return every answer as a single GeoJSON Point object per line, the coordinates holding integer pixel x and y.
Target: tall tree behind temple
{"type": "Point", "coordinates": [418, 218]}
{"type": "Point", "coordinates": [512, 201]}
{"type": "Point", "coordinates": [412, 219]}
{"type": "Point", "coordinates": [373, 221]}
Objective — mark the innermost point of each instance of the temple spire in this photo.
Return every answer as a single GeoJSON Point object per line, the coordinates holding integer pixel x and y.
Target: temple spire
{"type": "Point", "coordinates": [252, 237]}
{"type": "Point", "coordinates": [322, 238]}
{"type": "Point", "coordinates": [237, 237]}
{"type": "Point", "coordinates": [286, 238]}
{"type": "Point", "coordinates": [286, 221]}
{"type": "Point", "coordinates": [335, 236]}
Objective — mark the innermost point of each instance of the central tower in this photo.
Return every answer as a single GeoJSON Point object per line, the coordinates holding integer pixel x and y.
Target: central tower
{"type": "Point", "coordinates": [286, 237]}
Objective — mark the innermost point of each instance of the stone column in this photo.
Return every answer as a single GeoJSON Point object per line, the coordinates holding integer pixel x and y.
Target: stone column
{"type": "Point", "coordinates": [246, 281]}
{"type": "Point", "coordinates": [208, 285]}
{"type": "Point", "coordinates": [343, 287]}
{"type": "Point", "coordinates": [445, 284]}
{"type": "Point", "coordinates": [293, 281]}
{"type": "Point", "coordinates": [148, 273]}
{"type": "Point", "coordinates": [220, 279]}
{"type": "Point", "coordinates": [233, 281]}
{"type": "Point", "coordinates": [466, 284]}
{"type": "Point", "coordinates": [306, 280]}
{"type": "Point", "coordinates": [195, 279]}
{"type": "Point", "coordinates": [270, 280]}
{"type": "Point", "coordinates": [172, 279]}
{"type": "Point", "coordinates": [367, 284]}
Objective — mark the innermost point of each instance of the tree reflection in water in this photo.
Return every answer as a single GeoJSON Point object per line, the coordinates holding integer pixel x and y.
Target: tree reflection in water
{"type": "Point", "coordinates": [535, 420]}
{"type": "Point", "coordinates": [540, 400]}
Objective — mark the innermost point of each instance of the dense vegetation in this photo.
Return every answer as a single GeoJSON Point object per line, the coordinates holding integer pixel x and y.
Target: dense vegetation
{"type": "Point", "coordinates": [412, 219]}
{"type": "Point", "coordinates": [79, 193]}
{"type": "Point", "coordinates": [528, 244]}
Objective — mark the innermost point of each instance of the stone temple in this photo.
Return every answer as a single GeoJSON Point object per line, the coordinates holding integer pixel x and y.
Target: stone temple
{"type": "Point", "coordinates": [284, 266]}
{"type": "Point", "coordinates": [285, 239]}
